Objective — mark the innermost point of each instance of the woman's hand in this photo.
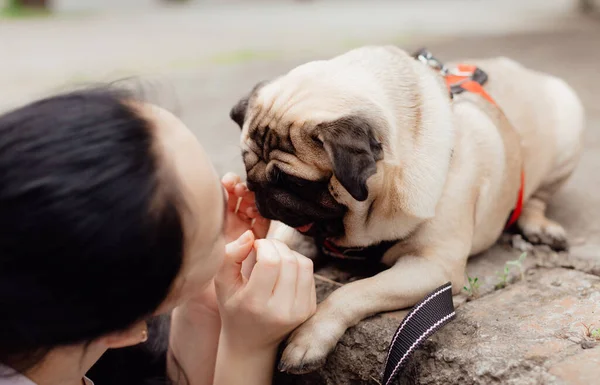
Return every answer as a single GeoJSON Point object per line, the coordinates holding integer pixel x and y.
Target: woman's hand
{"type": "Point", "coordinates": [204, 303]}
{"type": "Point", "coordinates": [258, 312]}
{"type": "Point", "coordinates": [242, 214]}
{"type": "Point", "coordinates": [196, 325]}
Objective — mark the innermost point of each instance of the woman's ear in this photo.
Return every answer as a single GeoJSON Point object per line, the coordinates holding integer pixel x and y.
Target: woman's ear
{"type": "Point", "coordinates": [136, 334]}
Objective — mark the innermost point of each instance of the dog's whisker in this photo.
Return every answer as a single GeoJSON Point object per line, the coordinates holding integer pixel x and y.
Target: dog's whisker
{"type": "Point", "coordinates": [238, 204]}
{"type": "Point", "coordinates": [324, 279]}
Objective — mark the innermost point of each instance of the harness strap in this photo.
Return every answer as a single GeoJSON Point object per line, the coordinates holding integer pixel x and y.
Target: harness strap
{"type": "Point", "coordinates": [467, 77]}
{"type": "Point", "coordinates": [516, 213]}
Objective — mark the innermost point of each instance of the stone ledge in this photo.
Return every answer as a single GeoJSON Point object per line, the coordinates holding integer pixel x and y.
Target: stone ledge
{"type": "Point", "coordinates": [530, 332]}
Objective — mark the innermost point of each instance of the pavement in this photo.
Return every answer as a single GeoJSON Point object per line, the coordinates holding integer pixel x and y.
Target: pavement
{"type": "Point", "coordinates": [200, 59]}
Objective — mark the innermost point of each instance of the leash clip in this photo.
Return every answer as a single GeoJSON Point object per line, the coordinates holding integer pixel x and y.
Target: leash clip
{"type": "Point", "coordinates": [427, 58]}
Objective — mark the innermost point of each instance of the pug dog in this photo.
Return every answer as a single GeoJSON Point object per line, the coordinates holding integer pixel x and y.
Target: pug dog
{"type": "Point", "coordinates": [370, 149]}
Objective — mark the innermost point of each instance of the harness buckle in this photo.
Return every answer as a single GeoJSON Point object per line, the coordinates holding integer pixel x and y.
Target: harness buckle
{"type": "Point", "coordinates": [427, 58]}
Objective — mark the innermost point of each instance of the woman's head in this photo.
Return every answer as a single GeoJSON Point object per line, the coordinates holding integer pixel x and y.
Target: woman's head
{"type": "Point", "coordinates": [109, 211]}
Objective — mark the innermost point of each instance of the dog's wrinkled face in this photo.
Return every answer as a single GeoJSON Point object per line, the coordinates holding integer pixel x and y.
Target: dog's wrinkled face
{"type": "Point", "coordinates": [290, 161]}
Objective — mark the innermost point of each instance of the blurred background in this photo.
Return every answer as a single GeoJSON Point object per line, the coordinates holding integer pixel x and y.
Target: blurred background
{"type": "Point", "coordinates": [199, 56]}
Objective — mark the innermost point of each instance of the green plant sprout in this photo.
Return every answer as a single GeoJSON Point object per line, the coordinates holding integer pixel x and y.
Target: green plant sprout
{"type": "Point", "coordinates": [504, 274]}
{"type": "Point", "coordinates": [591, 331]}
{"type": "Point", "coordinates": [518, 263]}
{"type": "Point", "coordinates": [472, 289]}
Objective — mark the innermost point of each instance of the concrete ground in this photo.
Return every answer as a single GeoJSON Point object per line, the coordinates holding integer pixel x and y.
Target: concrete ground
{"type": "Point", "coordinates": [199, 60]}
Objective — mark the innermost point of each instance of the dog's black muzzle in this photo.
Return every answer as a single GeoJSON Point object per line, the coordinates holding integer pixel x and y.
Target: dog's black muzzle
{"type": "Point", "coordinates": [298, 208]}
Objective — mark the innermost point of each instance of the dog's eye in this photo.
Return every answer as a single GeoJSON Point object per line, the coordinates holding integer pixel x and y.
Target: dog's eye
{"type": "Point", "coordinates": [277, 175]}
{"type": "Point", "coordinates": [317, 141]}
{"type": "Point", "coordinates": [295, 180]}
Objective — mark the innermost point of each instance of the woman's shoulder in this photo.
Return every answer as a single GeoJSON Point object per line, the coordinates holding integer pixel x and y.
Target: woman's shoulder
{"type": "Point", "coordinates": [10, 377]}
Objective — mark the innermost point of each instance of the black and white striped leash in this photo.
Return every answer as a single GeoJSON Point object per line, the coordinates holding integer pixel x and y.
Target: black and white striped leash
{"type": "Point", "coordinates": [426, 317]}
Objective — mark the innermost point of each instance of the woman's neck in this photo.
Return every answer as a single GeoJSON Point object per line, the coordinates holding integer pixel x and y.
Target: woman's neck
{"type": "Point", "coordinates": [65, 365]}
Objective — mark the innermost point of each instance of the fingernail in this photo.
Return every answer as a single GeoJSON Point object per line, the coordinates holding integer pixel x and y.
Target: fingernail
{"type": "Point", "coordinates": [245, 238]}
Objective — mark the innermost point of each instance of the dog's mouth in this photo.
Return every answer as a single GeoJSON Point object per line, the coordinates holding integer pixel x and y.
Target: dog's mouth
{"type": "Point", "coordinates": [311, 210]}
{"type": "Point", "coordinates": [323, 229]}
{"type": "Point", "coordinates": [304, 229]}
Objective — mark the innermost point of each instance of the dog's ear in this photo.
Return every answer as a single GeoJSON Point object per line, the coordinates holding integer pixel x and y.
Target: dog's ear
{"type": "Point", "coordinates": [238, 112]}
{"type": "Point", "coordinates": [353, 150]}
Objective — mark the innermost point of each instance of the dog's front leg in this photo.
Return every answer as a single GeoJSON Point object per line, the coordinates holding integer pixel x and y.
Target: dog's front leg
{"type": "Point", "coordinates": [399, 287]}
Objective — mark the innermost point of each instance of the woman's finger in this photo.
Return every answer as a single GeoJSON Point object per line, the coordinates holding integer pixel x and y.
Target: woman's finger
{"type": "Point", "coordinates": [248, 264]}
{"type": "Point", "coordinates": [261, 226]}
{"type": "Point", "coordinates": [244, 217]}
{"type": "Point", "coordinates": [305, 286]}
{"type": "Point", "coordinates": [230, 180]}
{"type": "Point", "coordinates": [241, 190]}
{"type": "Point", "coordinates": [251, 212]}
{"type": "Point", "coordinates": [285, 288]}
{"type": "Point", "coordinates": [245, 205]}
{"type": "Point", "coordinates": [229, 276]}
{"type": "Point", "coordinates": [266, 271]}
{"type": "Point", "coordinates": [313, 297]}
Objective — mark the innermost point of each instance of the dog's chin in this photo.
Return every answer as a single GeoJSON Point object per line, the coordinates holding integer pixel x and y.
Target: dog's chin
{"type": "Point", "coordinates": [328, 227]}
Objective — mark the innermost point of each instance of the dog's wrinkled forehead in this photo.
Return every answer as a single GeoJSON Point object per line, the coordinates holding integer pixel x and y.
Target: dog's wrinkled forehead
{"type": "Point", "coordinates": [299, 134]}
{"type": "Point", "coordinates": [279, 121]}
{"type": "Point", "coordinates": [293, 98]}
{"type": "Point", "coordinates": [264, 138]}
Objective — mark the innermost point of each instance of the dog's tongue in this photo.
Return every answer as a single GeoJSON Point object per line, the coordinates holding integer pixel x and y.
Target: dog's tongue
{"type": "Point", "coordinates": [304, 228]}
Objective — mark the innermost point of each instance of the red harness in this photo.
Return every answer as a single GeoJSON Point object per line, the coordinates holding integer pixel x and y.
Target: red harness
{"type": "Point", "coordinates": [470, 78]}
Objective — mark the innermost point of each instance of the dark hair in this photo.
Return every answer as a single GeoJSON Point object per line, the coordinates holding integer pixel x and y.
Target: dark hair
{"type": "Point", "coordinates": [142, 364]}
{"type": "Point", "coordinates": [91, 238]}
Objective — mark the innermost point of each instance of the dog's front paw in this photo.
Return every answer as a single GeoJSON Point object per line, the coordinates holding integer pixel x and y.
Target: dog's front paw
{"type": "Point", "coordinates": [546, 232]}
{"type": "Point", "coordinates": [309, 345]}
